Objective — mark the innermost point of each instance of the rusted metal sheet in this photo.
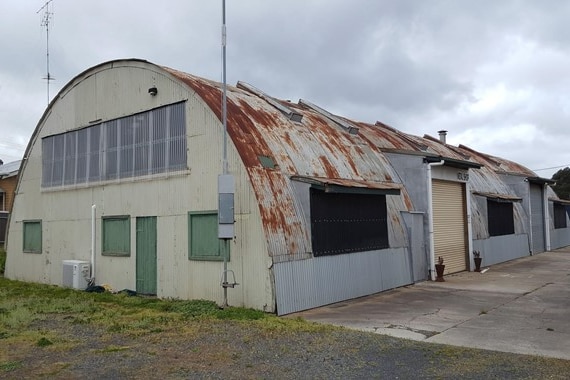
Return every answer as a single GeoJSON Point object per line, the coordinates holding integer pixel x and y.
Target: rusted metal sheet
{"type": "Point", "coordinates": [497, 163]}
{"type": "Point", "coordinates": [316, 146]}
{"type": "Point", "coordinates": [505, 197]}
{"type": "Point", "coordinates": [350, 183]}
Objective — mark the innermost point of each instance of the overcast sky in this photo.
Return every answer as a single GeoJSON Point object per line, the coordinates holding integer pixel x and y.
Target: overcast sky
{"type": "Point", "coordinates": [495, 74]}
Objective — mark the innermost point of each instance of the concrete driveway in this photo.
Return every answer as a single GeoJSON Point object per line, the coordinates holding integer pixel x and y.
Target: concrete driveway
{"type": "Point", "coordinates": [522, 306]}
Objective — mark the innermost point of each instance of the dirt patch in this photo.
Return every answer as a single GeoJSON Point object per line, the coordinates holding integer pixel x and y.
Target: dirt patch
{"type": "Point", "coordinates": [218, 349]}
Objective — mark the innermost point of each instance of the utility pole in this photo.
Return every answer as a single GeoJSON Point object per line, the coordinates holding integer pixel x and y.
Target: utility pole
{"type": "Point", "coordinates": [226, 187]}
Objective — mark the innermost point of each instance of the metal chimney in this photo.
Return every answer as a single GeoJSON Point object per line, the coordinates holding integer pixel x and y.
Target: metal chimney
{"type": "Point", "coordinates": [442, 135]}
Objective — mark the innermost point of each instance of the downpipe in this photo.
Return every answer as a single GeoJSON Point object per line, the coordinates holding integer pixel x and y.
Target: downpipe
{"type": "Point", "coordinates": [430, 218]}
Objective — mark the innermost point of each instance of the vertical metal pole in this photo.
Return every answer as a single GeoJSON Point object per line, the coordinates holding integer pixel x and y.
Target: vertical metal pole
{"type": "Point", "coordinates": [224, 99]}
{"type": "Point", "coordinates": [47, 56]}
{"type": "Point", "coordinates": [225, 242]}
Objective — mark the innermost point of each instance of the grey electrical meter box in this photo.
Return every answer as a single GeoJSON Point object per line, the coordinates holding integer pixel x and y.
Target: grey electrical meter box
{"type": "Point", "coordinates": [226, 190]}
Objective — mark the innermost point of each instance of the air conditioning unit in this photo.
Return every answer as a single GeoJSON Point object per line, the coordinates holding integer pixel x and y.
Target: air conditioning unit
{"type": "Point", "coordinates": [76, 274]}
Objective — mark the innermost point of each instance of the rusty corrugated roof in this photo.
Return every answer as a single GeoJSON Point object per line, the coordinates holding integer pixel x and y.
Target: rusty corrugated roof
{"type": "Point", "coordinates": [506, 197]}
{"type": "Point", "coordinates": [316, 146]}
{"type": "Point", "coordinates": [498, 164]}
{"type": "Point", "coordinates": [349, 183]}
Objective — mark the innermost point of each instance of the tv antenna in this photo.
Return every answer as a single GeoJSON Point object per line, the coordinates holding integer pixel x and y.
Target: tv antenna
{"type": "Point", "coordinates": [45, 22]}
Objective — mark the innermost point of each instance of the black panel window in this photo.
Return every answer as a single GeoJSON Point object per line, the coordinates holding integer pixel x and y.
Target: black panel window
{"type": "Point", "coordinates": [142, 144]}
{"type": "Point", "coordinates": [559, 215]}
{"type": "Point", "coordinates": [500, 218]}
{"type": "Point", "coordinates": [343, 223]}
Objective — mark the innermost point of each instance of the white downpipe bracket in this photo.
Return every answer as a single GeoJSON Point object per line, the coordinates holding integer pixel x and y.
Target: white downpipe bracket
{"type": "Point", "coordinates": [93, 240]}
{"type": "Point", "coordinates": [430, 218]}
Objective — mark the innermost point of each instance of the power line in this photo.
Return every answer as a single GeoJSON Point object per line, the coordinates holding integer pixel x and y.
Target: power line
{"type": "Point", "coordinates": [554, 167]}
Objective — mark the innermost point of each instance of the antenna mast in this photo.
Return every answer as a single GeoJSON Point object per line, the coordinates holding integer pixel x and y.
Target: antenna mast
{"type": "Point", "coordinates": [45, 22]}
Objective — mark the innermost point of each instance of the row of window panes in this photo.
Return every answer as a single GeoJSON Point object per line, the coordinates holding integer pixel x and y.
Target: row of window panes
{"type": "Point", "coordinates": [146, 143]}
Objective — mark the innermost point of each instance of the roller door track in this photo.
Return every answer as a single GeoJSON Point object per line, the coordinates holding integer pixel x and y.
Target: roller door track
{"type": "Point", "coordinates": [449, 225]}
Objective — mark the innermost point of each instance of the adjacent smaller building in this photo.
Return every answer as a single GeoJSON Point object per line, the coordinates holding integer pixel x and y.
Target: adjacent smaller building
{"type": "Point", "coordinates": [8, 182]}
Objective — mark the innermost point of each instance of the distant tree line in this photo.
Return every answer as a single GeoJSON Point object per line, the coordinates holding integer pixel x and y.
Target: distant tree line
{"type": "Point", "coordinates": [562, 186]}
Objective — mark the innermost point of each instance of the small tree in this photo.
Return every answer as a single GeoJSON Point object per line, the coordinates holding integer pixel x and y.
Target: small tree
{"type": "Point", "coordinates": [562, 186]}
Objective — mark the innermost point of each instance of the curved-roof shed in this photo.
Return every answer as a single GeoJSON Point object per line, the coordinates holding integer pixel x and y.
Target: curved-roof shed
{"type": "Point", "coordinates": [274, 149]}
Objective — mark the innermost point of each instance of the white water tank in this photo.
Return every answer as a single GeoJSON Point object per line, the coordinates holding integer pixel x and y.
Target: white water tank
{"type": "Point", "coordinates": [76, 274]}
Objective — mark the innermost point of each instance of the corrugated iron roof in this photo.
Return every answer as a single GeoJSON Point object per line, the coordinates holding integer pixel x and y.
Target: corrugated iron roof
{"type": "Point", "coordinates": [506, 197]}
{"type": "Point", "coordinates": [388, 186]}
{"type": "Point", "coordinates": [558, 200]}
{"type": "Point", "coordinates": [498, 164]}
{"type": "Point", "coordinates": [10, 169]}
{"type": "Point", "coordinates": [316, 146]}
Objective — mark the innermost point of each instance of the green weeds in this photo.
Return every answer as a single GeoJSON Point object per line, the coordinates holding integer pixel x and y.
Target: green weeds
{"type": "Point", "coordinates": [23, 304]}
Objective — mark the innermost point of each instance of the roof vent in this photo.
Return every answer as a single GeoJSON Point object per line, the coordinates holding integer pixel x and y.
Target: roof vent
{"type": "Point", "coordinates": [344, 124]}
{"type": "Point", "coordinates": [442, 136]}
{"type": "Point", "coordinates": [292, 115]}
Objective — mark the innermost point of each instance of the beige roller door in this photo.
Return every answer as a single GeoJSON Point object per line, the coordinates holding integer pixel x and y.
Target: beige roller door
{"type": "Point", "coordinates": [450, 230]}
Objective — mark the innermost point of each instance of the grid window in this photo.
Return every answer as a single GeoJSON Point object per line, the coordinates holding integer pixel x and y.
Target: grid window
{"type": "Point", "coordinates": [146, 143]}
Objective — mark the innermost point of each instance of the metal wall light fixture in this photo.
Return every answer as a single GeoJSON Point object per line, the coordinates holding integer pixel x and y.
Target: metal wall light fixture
{"type": "Point", "coordinates": [153, 91]}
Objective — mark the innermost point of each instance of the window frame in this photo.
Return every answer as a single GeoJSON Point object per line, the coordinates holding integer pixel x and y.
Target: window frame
{"type": "Point", "coordinates": [503, 224]}
{"type": "Point", "coordinates": [35, 249]}
{"type": "Point", "coordinates": [559, 215]}
{"type": "Point", "coordinates": [104, 242]}
{"type": "Point", "coordinates": [223, 249]}
{"type": "Point", "coordinates": [322, 214]}
{"type": "Point", "coordinates": [157, 137]}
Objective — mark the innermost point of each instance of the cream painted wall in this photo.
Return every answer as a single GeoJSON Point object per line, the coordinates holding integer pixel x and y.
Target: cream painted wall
{"type": "Point", "coordinates": [107, 92]}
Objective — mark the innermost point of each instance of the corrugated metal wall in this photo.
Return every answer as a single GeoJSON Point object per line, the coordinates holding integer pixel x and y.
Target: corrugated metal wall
{"type": "Point", "coordinates": [417, 243]}
{"type": "Point", "coordinates": [537, 218]}
{"type": "Point", "coordinates": [499, 249]}
{"type": "Point", "coordinates": [304, 284]}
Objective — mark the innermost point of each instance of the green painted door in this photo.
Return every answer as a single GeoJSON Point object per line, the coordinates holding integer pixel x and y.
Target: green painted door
{"type": "Point", "coordinates": [146, 255]}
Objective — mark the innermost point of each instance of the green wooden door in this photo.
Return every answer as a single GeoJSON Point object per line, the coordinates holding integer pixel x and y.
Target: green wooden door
{"type": "Point", "coordinates": [146, 255]}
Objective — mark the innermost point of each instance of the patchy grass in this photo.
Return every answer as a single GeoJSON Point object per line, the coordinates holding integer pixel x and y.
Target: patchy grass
{"type": "Point", "coordinates": [53, 332]}
{"type": "Point", "coordinates": [22, 304]}
{"type": "Point", "coordinates": [9, 366]}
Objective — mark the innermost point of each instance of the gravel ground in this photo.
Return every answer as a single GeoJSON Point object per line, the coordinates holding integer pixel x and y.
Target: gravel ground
{"type": "Point", "coordinates": [214, 349]}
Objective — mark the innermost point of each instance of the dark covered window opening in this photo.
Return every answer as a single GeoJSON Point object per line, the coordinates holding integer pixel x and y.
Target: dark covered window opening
{"type": "Point", "coordinates": [500, 217]}
{"type": "Point", "coordinates": [347, 222]}
{"type": "Point", "coordinates": [559, 215]}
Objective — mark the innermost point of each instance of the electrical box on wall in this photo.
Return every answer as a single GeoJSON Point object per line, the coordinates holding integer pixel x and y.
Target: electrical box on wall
{"type": "Point", "coordinates": [226, 190]}
{"type": "Point", "coordinates": [76, 274]}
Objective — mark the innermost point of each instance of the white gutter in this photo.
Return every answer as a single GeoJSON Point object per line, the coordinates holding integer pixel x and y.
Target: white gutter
{"type": "Point", "coordinates": [93, 224]}
{"type": "Point", "coordinates": [430, 219]}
